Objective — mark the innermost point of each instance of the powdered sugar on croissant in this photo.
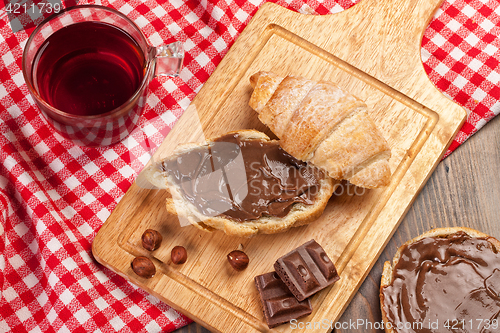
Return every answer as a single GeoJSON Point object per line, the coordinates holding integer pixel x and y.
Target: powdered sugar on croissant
{"type": "Point", "coordinates": [320, 123]}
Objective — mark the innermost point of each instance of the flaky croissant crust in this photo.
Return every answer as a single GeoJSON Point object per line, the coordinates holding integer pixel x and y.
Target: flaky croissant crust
{"type": "Point", "coordinates": [320, 123]}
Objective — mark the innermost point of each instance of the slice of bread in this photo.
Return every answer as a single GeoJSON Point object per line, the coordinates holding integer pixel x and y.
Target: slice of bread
{"type": "Point", "coordinates": [300, 214]}
{"type": "Point", "coordinates": [389, 268]}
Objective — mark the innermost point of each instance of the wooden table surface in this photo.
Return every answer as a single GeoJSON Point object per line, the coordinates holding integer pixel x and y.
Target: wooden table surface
{"type": "Point", "coordinates": [464, 190]}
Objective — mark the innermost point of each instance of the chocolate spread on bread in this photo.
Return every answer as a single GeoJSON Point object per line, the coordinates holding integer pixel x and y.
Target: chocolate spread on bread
{"type": "Point", "coordinates": [243, 179]}
{"type": "Point", "coordinates": [448, 284]}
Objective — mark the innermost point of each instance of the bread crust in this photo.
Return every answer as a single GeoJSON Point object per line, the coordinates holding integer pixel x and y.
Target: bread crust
{"type": "Point", "coordinates": [269, 82]}
{"type": "Point", "coordinates": [320, 123]}
{"type": "Point", "coordinates": [387, 273]}
{"type": "Point", "coordinates": [281, 106]}
{"type": "Point", "coordinates": [321, 110]}
{"type": "Point", "coordinates": [299, 215]}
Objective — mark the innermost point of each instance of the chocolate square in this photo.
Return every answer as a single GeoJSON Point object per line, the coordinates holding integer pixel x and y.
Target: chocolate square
{"type": "Point", "coordinates": [280, 306]}
{"type": "Point", "coordinates": [306, 270]}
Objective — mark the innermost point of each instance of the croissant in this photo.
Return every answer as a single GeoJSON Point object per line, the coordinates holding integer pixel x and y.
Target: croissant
{"type": "Point", "coordinates": [319, 123]}
{"type": "Point", "coordinates": [212, 191]}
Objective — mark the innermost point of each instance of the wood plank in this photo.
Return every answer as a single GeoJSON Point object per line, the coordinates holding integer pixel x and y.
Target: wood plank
{"type": "Point", "coordinates": [377, 60]}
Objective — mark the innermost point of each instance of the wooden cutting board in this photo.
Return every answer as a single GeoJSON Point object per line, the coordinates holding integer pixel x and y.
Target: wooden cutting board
{"type": "Point", "coordinates": [371, 50]}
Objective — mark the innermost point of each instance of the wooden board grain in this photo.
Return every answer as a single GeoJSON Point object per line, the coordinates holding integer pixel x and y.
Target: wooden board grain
{"type": "Point", "coordinates": [371, 50]}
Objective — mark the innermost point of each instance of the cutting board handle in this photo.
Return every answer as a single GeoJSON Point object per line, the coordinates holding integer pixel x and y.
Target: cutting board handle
{"type": "Point", "coordinates": [380, 38]}
{"type": "Point", "coordinates": [405, 15]}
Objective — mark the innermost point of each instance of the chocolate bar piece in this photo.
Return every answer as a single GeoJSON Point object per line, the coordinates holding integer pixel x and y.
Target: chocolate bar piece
{"type": "Point", "coordinates": [280, 306]}
{"type": "Point", "coordinates": [306, 270]}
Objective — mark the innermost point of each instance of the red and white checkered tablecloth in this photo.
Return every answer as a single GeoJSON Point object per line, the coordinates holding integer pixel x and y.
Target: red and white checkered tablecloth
{"type": "Point", "coordinates": [55, 195]}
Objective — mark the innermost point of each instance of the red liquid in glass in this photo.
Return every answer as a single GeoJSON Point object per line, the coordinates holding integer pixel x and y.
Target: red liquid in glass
{"type": "Point", "coordinates": [88, 68]}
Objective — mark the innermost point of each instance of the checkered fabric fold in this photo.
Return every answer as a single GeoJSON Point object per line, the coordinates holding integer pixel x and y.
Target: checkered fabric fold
{"type": "Point", "coordinates": [54, 195]}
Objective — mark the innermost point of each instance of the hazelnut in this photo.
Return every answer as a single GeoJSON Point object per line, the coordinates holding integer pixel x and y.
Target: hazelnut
{"type": "Point", "coordinates": [178, 255]}
{"type": "Point", "coordinates": [151, 239]}
{"type": "Point", "coordinates": [143, 267]}
{"type": "Point", "coordinates": [238, 260]}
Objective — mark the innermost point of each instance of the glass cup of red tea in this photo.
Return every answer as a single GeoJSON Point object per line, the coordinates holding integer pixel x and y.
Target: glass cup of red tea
{"type": "Point", "coordinates": [88, 69]}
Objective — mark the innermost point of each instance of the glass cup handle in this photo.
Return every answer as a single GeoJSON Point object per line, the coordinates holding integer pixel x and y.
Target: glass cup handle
{"type": "Point", "coordinates": [169, 59]}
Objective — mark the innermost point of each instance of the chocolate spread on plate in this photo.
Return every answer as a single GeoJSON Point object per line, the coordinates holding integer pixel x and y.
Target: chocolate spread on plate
{"type": "Point", "coordinates": [447, 284]}
{"type": "Point", "coordinates": [243, 179]}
